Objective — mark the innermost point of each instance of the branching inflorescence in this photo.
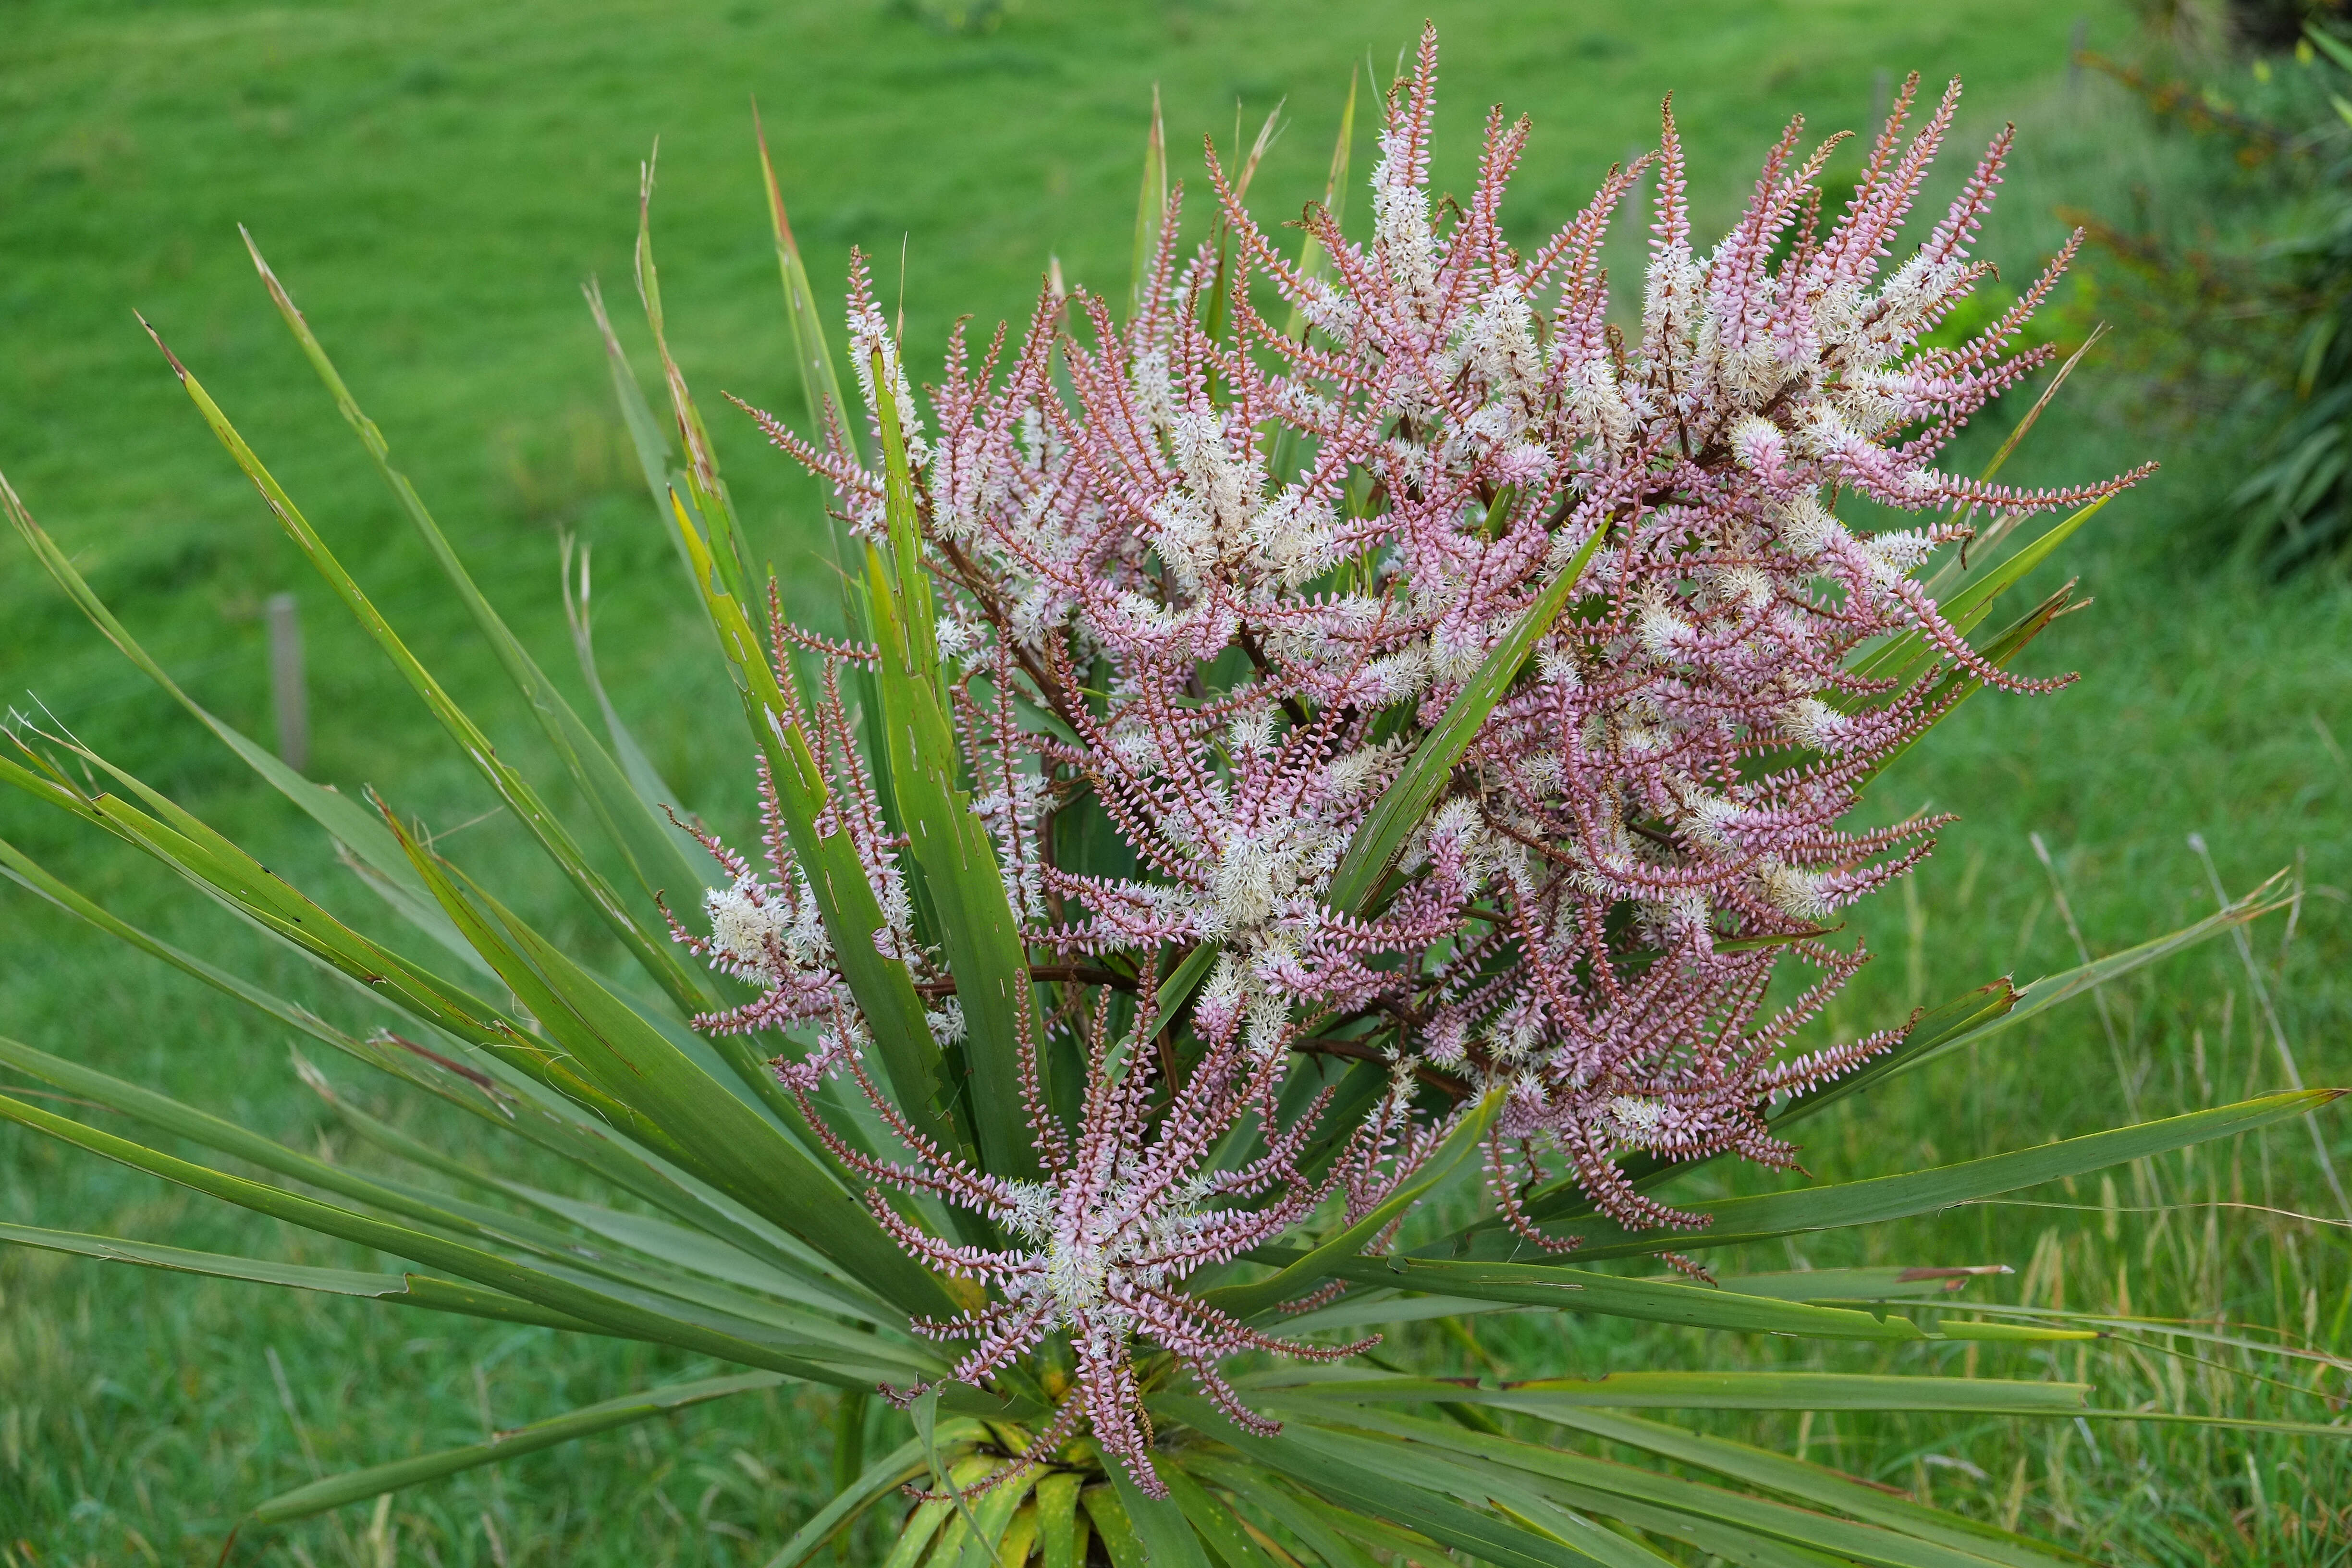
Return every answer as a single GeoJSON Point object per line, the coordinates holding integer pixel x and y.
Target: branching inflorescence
{"type": "Point", "coordinates": [1182, 676]}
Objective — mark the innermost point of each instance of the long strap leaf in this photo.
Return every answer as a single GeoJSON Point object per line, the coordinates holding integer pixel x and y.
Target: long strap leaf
{"type": "Point", "coordinates": [170, 1116]}
{"type": "Point", "coordinates": [1609, 1295]}
{"type": "Point", "coordinates": [1332, 1256]}
{"type": "Point", "coordinates": [1684, 1391]}
{"type": "Point", "coordinates": [1956, 686]}
{"type": "Point", "coordinates": [886, 1475]}
{"type": "Point", "coordinates": [712, 506]}
{"type": "Point", "coordinates": [1214, 1523]}
{"type": "Point", "coordinates": [1057, 1522]}
{"type": "Point", "coordinates": [358, 1486]}
{"type": "Point", "coordinates": [28, 874]}
{"type": "Point", "coordinates": [653, 795]}
{"type": "Point", "coordinates": [852, 914]}
{"type": "Point", "coordinates": [828, 412]}
{"type": "Point", "coordinates": [606, 1312]}
{"type": "Point", "coordinates": [1811, 1483]}
{"type": "Point", "coordinates": [1111, 1526]}
{"type": "Point", "coordinates": [812, 356]}
{"type": "Point", "coordinates": [642, 838]}
{"type": "Point", "coordinates": [1970, 1018]}
{"type": "Point", "coordinates": [552, 1122]}
{"type": "Point", "coordinates": [979, 929]}
{"type": "Point", "coordinates": [653, 950]}
{"type": "Point", "coordinates": [1161, 1528]}
{"type": "Point", "coordinates": [1995, 1009]}
{"type": "Point", "coordinates": [645, 435]}
{"type": "Point", "coordinates": [730, 1145]}
{"type": "Point", "coordinates": [650, 1255]}
{"type": "Point", "coordinates": [352, 825]}
{"type": "Point", "coordinates": [1287, 1509]}
{"type": "Point", "coordinates": [561, 1252]}
{"type": "Point", "coordinates": [406, 1289]}
{"type": "Point", "coordinates": [715, 1253]}
{"type": "Point", "coordinates": [1539, 1504]}
{"type": "Point", "coordinates": [1615, 1490]}
{"type": "Point", "coordinates": [1840, 1205]}
{"type": "Point", "coordinates": [220, 868]}
{"type": "Point", "coordinates": [1408, 797]}
{"type": "Point", "coordinates": [1382, 1490]}
{"type": "Point", "coordinates": [1901, 656]}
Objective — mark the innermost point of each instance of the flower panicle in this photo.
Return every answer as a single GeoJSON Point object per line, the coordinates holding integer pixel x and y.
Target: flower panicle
{"type": "Point", "coordinates": [1183, 677]}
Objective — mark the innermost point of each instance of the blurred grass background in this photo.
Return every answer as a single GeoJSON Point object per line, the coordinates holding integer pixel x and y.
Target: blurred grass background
{"type": "Point", "coordinates": [435, 181]}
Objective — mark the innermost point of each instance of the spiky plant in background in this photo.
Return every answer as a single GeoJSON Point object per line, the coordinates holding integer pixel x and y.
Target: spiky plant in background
{"type": "Point", "coordinates": [1263, 772]}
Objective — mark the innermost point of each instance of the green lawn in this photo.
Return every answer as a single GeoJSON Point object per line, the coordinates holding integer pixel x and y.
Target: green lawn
{"type": "Point", "coordinates": [435, 181]}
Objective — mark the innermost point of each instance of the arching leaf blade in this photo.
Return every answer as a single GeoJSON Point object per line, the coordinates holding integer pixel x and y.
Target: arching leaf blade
{"type": "Point", "coordinates": [641, 837]}
{"type": "Point", "coordinates": [352, 825]}
{"type": "Point", "coordinates": [1970, 1018]}
{"type": "Point", "coordinates": [653, 792]}
{"type": "Point", "coordinates": [952, 851]}
{"type": "Point", "coordinates": [1165, 1535]}
{"type": "Point", "coordinates": [606, 1312]}
{"type": "Point", "coordinates": [1840, 1205]}
{"type": "Point", "coordinates": [28, 874]}
{"type": "Point", "coordinates": [1584, 1290]}
{"type": "Point", "coordinates": [1408, 797]}
{"type": "Point", "coordinates": [883, 1476]}
{"type": "Point", "coordinates": [1057, 1522]}
{"type": "Point", "coordinates": [645, 434]}
{"type": "Point", "coordinates": [651, 950]}
{"type": "Point", "coordinates": [701, 1252]}
{"type": "Point", "coordinates": [884, 989]}
{"type": "Point", "coordinates": [712, 506]}
{"type": "Point", "coordinates": [1292, 1511]}
{"type": "Point", "coordinates": [358, 1486]}
{"type": "Point", "coordinates": [1903, 656]}
{"type": "Point", "coordinates": [1955, 687]}
{"type": "Point", "coordinates": [1290, 1388]}
{"type": "Point", "coordinates": [646, 1253]}
{"type": "Point", "coordinates": [649, 1284]}
{"type": "Point", "coordinates": [219, 868]}
{"type": "Point", "coordinates": [811, 352]}
{"type": "Point", "coordinates": [1111, 1526]}
{"type": "Point", "coordinates": [1379, 1487]}
{"type": "Point", "coordinates": [728, 1143]}
{"type": "Point", "coordinates": [403, 1290]}
{"type": "Point", "coordinates": [1214, 1523]}
{"type": "Point", "coordinates": [1333, 1257]}
{"type": "Point", "coordinates": [1632, 1492]}
{"type": "Point", "coordinates": [1811, 1483]}
{"type": "Point", "coordinates": [553, 1121]}
{"type": "Point", "coordinates": [1531, 1504]}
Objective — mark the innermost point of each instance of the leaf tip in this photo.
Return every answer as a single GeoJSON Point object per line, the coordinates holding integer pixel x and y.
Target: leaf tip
{"type": "Point", "coordinates": [177, 368]}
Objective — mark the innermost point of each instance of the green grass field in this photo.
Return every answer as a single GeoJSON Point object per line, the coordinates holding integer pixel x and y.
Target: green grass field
{"type": "Point", "coordinates": [434, 181]}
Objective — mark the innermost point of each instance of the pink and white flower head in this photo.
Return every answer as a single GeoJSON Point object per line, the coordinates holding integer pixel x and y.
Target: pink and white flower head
{"type": "Point", "coordinates": [1210, 584]}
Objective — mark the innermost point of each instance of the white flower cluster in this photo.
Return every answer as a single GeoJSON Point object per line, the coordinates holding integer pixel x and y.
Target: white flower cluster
{"type": "Point", "coordinates": [1086, 1258]}
{"type": "Point", "coordinates": [753, 929]}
